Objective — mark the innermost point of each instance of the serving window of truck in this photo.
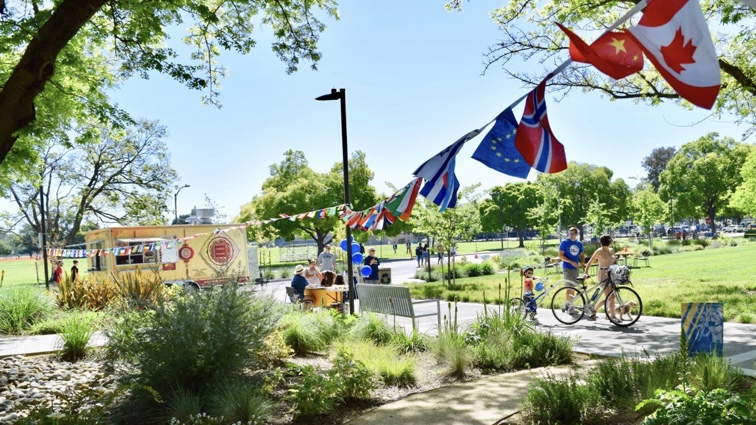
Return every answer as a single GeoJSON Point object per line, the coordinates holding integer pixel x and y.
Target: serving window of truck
{"type": "Point", "coordinates": [97, 262]}
{"type": "Point", "coordinates": [138, 251]}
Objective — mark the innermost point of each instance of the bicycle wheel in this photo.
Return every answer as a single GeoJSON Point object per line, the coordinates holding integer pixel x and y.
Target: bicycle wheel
{"type": "Point", "coordinates": [568, 310]}
{"type": "Point", "coordinates": [518, 307]}
{"type": "Point", "coordinates": [623, 306]}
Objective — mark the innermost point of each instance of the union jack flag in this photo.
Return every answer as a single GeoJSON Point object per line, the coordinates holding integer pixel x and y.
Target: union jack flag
{"type": "Point", "coordinates": [535, 140]}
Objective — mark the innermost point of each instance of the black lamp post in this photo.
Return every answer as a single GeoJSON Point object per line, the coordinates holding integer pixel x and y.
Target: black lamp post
{"type": "Point", "coordinates": [175, 199]}
{"type": "Point", "coordinates": [341, 95]}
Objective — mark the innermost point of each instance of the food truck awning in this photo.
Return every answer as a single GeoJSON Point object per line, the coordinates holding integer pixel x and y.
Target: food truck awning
{"type": "Point", "coordinates": [142, 240]}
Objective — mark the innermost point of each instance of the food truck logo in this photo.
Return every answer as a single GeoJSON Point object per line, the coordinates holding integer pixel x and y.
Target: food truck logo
{"type": "Point", "coordinates": [221, 251]}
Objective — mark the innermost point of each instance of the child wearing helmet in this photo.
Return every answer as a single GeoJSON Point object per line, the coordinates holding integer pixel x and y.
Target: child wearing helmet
{"type": "Point", "coordinates": [528, 290]}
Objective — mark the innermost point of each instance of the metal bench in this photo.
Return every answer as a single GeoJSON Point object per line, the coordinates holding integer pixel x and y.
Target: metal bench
{"type": "Point", "coordinates": [393, 300]}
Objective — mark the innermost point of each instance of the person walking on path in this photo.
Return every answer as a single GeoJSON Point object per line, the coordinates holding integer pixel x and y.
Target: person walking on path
{"type": "Point", "coordinates": [409, 249]}
{"type": "Point", "coordinates": [372, 261]}
{"type": "Point", "coordinates": [572, 255]}
{"type": "Point", "coordinates": [326, 259]}
{"type": "Point", "coordinates": [75, 271]}
{"type": "Point", "coordinates": [58, 273]}
{"type": "Point", "coordinates": [419, 254]}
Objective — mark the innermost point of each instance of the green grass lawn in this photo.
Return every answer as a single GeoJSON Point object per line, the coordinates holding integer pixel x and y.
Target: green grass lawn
{"type": "Point", "coordinates": [714, 275]}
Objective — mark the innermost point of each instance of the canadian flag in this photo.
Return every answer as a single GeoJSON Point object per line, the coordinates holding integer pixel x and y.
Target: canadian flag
{"type": "Point", "coordinates": [674, 36]}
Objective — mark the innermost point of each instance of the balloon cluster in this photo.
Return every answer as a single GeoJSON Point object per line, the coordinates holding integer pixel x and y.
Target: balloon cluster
{"type": "Point", "coordinates": [356, 255]}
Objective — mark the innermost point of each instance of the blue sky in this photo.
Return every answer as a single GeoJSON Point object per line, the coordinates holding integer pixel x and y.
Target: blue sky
{"type": "Point", "coordinates": [412, 72]}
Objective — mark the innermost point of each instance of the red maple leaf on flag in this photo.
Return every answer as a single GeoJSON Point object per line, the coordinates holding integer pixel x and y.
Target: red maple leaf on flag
{"type": "Point", "coordinates": [678, 52]}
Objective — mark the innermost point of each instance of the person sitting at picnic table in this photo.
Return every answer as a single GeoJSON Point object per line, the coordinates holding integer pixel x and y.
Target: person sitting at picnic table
{"type": "Point", "coordinates": [299, 283]}
{"type": "Point", "coordinates": [328, 278]}
{"type": "Point", "coordinates": [312, 273]}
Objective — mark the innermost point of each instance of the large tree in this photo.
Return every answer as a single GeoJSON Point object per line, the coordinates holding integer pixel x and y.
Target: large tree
{"type": "Point", "coordinates": [510, 204]}
{"type": "Point", "coordinates": [648, 209]}
{"type": "Point", "coordinates": [115, 176]}
{"type": "Point", "coordinates": [294, 188]}
{"type": "Point", "coordinates": [579, 185]}
{"type": "Point", "coordinates": [702, 175]}
{"type": "Point", "coordinates": [53, 50]}
{"type": "Point", "coordinates": [656, 162]}
{"type": "Point", "coordinates": [528, 33]}
{"type": "Point", "coordinates": [744, 197]}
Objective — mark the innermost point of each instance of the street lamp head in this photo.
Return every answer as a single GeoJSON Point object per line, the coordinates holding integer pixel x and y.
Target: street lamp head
{"type": "Point", "coordinates": [333, 95]}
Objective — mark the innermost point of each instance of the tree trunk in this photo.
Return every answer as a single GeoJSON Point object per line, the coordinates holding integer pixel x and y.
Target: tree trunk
{"type": "Point", "coordinates": [521, 237]}
{"type": "Point", "coordinates": [37, 66]}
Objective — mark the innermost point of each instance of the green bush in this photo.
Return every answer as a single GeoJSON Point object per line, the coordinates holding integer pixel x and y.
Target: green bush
{"type": "Point", "coordinates": [451, 351]}
{"type": "Point", "coordinates": [718, 406]}
{"type": "Point", "coordinates": [20, 308]}
{"type": "Point", "coordinates": [74, 337]}
{"type": "Point", "coordinates": [456, 272]}
{"type": "Point", "coordinates": [303, 337]}
{"type": "Point", "coordinates": [372, 327]}
{"type": "Point", "coordinates": [198, 339]}
{"type": "Point", "coordinates": [383, 361]}
{"type": "Point", "coordinates": [473, 270]}
{"type": "Point", "coordinates": [183, 406]}
{"type": "Point", "coordinates": [487, 268]}
{"type": "Point", "coordinates": [715, 244]}
{"type": "Point", "coordinates": [353, 377]}
{"type": "Point", "coordinates": [703, 242]}
{"type": "Point", "coordinates": [412, 343]}
{"type": "Point", "coordinates": [315, 393]}
{"type": "Point", "coordinates": [561, 401]}
{"type": "Point", "coordinates": [237, 401]}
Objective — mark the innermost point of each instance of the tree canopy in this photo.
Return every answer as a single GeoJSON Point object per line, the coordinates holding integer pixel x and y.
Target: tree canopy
{"type": "Point", "coordinates": [511, 205]}
{"type": "Point", "coordinates": [656, 162]}
{"type": "Point", "coordinates": [58, 58]}
{"type": "Point", "coordinates": [702, 175]}
{"type": "Point", "coordinates": [529, 33]}
{"type": "Point", "coordinates": [294, 188]}
{"type": "Point", "coordinates": [118, 176]}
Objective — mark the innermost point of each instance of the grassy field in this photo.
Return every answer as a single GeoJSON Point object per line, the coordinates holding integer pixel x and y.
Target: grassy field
{"type": "Point", "coordinates": [714, 275]}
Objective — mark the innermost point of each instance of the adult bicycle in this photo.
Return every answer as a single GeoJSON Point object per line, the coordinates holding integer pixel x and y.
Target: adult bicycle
{"type": "Point", "coordinates": [622, 305]}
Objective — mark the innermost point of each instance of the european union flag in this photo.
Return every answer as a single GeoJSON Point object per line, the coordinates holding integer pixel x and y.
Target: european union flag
{"type": "Point", "coordinates": [498, 151]}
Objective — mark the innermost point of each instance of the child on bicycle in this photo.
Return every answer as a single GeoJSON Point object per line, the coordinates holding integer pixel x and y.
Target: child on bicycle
{"type": "Point", "coordinates": [528, 289]}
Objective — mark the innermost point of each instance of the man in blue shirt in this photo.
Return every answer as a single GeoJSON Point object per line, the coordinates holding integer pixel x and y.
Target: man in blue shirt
{"type": "Point", "coordinates": [372, 261]}
{"type": "Point", "coordinates": [572, 256]}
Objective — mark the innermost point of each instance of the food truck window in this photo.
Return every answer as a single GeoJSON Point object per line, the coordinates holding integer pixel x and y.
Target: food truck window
{"type": "Point", "coordinates": [137, 252]}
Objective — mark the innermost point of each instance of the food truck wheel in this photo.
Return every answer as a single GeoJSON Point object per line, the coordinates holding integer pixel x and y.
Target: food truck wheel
{"type": "Point", "coordinates": [191, 287]}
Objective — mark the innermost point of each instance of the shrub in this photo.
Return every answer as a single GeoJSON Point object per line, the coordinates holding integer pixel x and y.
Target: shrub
{"type": "Point", "coordinates": [414, 342]}
{"type": "Point", "coordinates": [456, 272]}
{"type": "Point", "coordinates": [718, 406]}
{"type": "Point", "coordinates": [703, 242]}
{"type": "Point", "coordinates": [183, 405]}
{"type": "Point", "coordinates": [715, 245]}
{"type": "Point", "coordinates": [450, 349]}
{"type": "Point", "coordinates": [473, 270]}
{"type": "Point", "coordinates": [383, 361]}
{"type": "Point", "coordinates": [284, 274]}
{"type": "Point", "coordinates": [352, 376]}
{"type": "Point", "coordinates": [314, 394]}
{"type": "Point", "coordinates": [199, 339]}
{"type": "Point", "coordinates": [93, 294]}
{"type": "Point", "coordinates": [74, 337]}
{"type": "Point", "coordinates": [304, 338]}
{"type": "Point", "coordinates": [487, 268]}
{"type": "Point", "coordinates": [239, 402]}
{"type": "Point", "coordinates": [708, 372]}
{"type": "Point", "coordinates": [560, 401]}
{"type": "Point", "coordinates": [20, 308]}
{"type": "Point", "coordinates": [275, 351]}
{"type": "Point", "coordinates": [137, 290]}
{"type": "Point", "coordinates": [373, 328]}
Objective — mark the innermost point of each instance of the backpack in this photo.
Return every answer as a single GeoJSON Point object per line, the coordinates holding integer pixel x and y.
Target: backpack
{"type": "Point", "coordinates": [619, 274]}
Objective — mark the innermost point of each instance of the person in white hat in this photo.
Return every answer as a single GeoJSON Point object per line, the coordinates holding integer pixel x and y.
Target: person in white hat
{"type": "Point", "coordinates": [298, 282]}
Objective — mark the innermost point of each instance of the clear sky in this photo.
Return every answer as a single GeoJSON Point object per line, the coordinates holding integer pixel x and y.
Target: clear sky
{"type": "Point", "coordinates": [412, 72]}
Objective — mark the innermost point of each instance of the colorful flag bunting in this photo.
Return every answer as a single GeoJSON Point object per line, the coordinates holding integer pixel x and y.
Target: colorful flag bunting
{"type": "Point", "coordinates": [616, 54]}
{"type": "Point", "coordinates": [676, 39]}
{"type": "Point", "coordinates": [535, 140]}
{"type": "Point", "coordinates": [441, 183]}
{"type": "Point", "coordinates": [402, 202]}
{"type": "Point", "coordinates": [497, 150]}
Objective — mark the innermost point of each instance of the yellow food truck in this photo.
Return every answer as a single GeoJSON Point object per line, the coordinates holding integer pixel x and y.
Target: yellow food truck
{"type": "Point", "coordinates": [191, 256]}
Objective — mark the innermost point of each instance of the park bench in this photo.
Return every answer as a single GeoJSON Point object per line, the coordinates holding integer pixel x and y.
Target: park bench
{"type": "Point", "coordinates": [394, 300]}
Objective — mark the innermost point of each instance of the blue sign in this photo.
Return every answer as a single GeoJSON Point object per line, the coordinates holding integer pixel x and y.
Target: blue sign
{"type": "Point", "coordinates": [703, 324]}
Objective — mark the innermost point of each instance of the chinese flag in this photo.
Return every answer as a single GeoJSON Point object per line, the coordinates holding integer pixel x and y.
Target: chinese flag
{"type": "Point", "coordinates": [615, 53]}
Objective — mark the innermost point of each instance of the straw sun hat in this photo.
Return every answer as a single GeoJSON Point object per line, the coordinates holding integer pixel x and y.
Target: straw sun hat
{"type": "Point", "coordinates": [298, 269]}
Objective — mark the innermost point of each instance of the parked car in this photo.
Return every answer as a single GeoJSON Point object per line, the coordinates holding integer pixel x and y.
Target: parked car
{"type": "Point", "coordinates": [729, 228]}
{"type": "Point", "coordinates": [751, 226]}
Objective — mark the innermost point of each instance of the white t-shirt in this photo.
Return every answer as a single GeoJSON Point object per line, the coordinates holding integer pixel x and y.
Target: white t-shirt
{"type": "Point", "coordinates": [311, 276]}
{"type": "Point", "coordinates": [326, 260]}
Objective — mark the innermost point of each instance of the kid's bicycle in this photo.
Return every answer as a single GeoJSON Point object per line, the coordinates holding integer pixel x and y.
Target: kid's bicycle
{"type": "Point", "coordinates": [622, 306]}
{"type": "Point", "coordinates": [529, 308]}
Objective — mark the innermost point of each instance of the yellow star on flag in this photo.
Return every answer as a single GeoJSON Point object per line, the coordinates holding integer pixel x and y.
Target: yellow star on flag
{"type": "Point", "coordinates": [619, 45]}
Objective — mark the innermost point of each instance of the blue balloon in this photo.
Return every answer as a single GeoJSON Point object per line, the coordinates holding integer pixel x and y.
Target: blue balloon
{"type": "Point", "coordinates": [343, 244]}
{"type": "Point", "coordinates": [366, 271]}
{"type": "Point", "coordinates": [355, 247]}
{"type": "Point", "coordinates": [357, 258]}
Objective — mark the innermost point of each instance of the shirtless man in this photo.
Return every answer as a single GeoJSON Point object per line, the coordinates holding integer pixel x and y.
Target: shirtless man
{"type": "Point", "coordinates": [605, 258]}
